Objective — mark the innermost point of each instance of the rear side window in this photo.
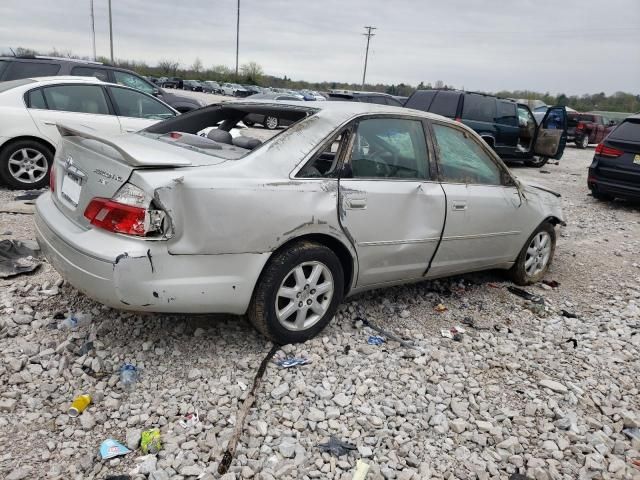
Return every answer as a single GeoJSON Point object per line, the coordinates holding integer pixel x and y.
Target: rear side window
{"type": "Point", "coordinates": [375, 99]}
{"type": "Point", "coordinates": [76, 98]}
{"type": "Point", "coordinates": [506, 113]}
{"type": "Point", "coordinates": [18, 70]}
{"type": "Point", "coordinates": [132, 103]}
{"type": "Point", "coordinates": [36, 99]}
{"type": "Point", "coordinates": [3, 66]}
{"type": "Point", "coordinates": [627, 131]}
{"type": "Point", "coordinates": [421, 100]}
{"type": "Point", "coordinates": [99, 73]}
{"type": "Point", "coordinates": [479, 108]}
{"type": "Point", "coordinates": [133, 81]}
{"type": "Point", "coordinates": [445, 104]}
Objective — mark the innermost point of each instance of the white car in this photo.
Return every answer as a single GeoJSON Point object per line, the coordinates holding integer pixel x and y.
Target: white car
{"type": "Point", "coordinates": [31, 108]}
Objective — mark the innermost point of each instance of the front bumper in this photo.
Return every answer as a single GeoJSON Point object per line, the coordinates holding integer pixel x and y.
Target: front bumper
{"type": "Point", "coordinates": [140, 275]}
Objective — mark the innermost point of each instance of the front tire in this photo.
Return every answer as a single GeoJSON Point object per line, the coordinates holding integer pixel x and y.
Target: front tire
{"type": "Point", "coordinates": [298, 293]}
{"type": "Point", "coordinates": [537, 161]}
{"type": "Point", "coordinates": [270, 123]}
{"type": "Point", "coordinates": [536, 256]}
{"type": "Point", "coordinates": [25, 164]}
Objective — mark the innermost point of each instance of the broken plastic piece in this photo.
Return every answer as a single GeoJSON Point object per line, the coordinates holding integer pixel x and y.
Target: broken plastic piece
{"type": "Point", "coordinates": [574, 341]}
{"type": "Point", "coordinates": [454, 333]}
{"type": "Point", "coordinates": [551, 283]}
{"type": "Point", "coordinates": [336, 447]}
{"type": "Point", "coordinates": [190, 420]}
{"type": "Point", "coordinates": [111, 448]}
{"type": "Point", "coordinates": [18, 257]}
{"type": "Point", "coordinates": [568, 314]}
{"type": "Point", "coordinates": [526, 295]}
{"type": "Point", "coordinates": [362, 468]}
{"type": "Point", "coordinates": [375, 340]}
{"type": "Point", "coordinates": [632, 433]}
{"type": "Point", "coordinates": [288, 362]}
{"type": "Point", "coordinates": [440, 308]}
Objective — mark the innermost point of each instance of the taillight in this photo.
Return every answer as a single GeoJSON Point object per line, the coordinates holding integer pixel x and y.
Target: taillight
{"type": "Point", "coordinates": [128, 212]}
{"type": "Point", "coordinates": [52, 178]}
{"type": "Point", "coordinates": [605, 151]}
{"type": "Point", "coordinates": [580, 126]}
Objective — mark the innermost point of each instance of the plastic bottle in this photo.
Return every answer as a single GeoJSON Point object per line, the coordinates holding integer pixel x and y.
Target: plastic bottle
{"type": "Point", "coordinates": [73, 322]}
{"type": "Point", "coordinates": [129, 375]}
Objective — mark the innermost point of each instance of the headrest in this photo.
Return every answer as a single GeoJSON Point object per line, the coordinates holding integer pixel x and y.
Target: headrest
{"type": "Point", "coordinates": [220, 136]}
{"type": "Point", "coordinates": [247, 142]}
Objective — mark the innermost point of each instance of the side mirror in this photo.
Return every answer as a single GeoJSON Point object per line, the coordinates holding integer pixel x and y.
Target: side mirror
{"type": "Point", "coordinates": [612, 123]}
{"type": "Point", "coordinates": [156, 92]}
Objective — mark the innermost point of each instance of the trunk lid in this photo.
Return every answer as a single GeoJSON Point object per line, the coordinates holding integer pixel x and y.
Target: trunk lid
{"type": "Point", "coordinates": [89, 165]}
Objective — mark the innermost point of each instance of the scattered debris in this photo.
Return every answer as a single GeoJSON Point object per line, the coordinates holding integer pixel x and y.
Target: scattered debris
{"type": "Point", "coordinates": [440, 308]}
{"type": "Point", "coordinates": [129, 376]}
{"type": "Point", "coordinates": [111, 448]}
{"type": "Point", "coordinates": [347, 348]}
{"type": "Point", "coordinates": [79, 405]}
{"type": "Point", "coordinates": [493, 285]}
{"type": "Point", "coordinates": [189, 420]}
{"type": "Point", "coordinates": [574, 341]}
{"type": "Point", "coordinates": [336, 447]}
{"type": "Point", "coordinates": [31, 195]}
{"type": "Point", "coordinates": [470, 322]}
{"type": "Point", "coordinates": [389, 335]}
{"type": "Point", "coordinates": [288, 362]}
{"type": "Point", "coordinates": [375, 340]}
{"type": "Point", "coordinates": [526, 295]}
{"type": "Point", "coordinates": [362, 468]}
{"type": "Point", "coordinates": [545, 171]}
{"type": "Point", "coordinates": [568, 314]}
{"type": "Point", "coordinates": [551, 283]}
{"type": "Point", "coordinates": [18, 257]}
{"type": "Point", "coordinates": [85, 348]}
{"type": "Point", "coordinates": [225, 463]}
{"type": "Point", "coordinates": [455, 333]}
{"type": "Point", "coordinates": [518, 476]}
{"type": "Point", "coordinates": [118, 477]}
{"type": "Point", "coordinates": [150, 442]}
{"type": "Point", "coordinates": [633, 433]}
{"type": "Point", "coordinates": [75, 321]}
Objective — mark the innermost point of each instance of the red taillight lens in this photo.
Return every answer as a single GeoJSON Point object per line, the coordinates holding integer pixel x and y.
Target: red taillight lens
{"type": "Point", "coordinates": [580, 126]}
{"type": "Point", "coordinates": [604, 151]}
{"type": "Point", "coordinates": [116, 217]}
{"type": "Point", "coordinates": [52, 179]}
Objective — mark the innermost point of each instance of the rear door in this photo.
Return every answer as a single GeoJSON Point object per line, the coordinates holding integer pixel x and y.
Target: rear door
{"type": "Point", "coordinates": [551, 135]}
{"type": "Point", "coordinates": [135, 110]}
{"type": "Point", "coordinates": [389, 205]}
{"type": "Point", "coordinates": [73, 105]}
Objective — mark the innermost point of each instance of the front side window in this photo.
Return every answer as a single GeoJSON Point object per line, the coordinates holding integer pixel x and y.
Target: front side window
{"type": "Point", "coordinates": [506, 114]}
{"type": "Point", "coordinates": [462, 158]}
{"type": "Point", "coordinates": [445, 104]}
{"type": "Point", "coordinates": [18, 70]}
{"type": "Point", "coordinates": [76, 98]}
{"type": "Point", "coordinates": [131, 103]}
{"type": "Point", "coordinates": [325, 163]}
{"type": "Point", "coordinates": [133, 81]}
{"type": "Point", "coordinates": [99, 73]}
{"type": "Point", "coordinates": [389, 148]}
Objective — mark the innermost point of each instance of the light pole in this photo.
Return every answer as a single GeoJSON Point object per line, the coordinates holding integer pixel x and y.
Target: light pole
{"type": "Point", "coordinates": [237, 38]}
{"type": "Point", "coordinates": [93, 33]}
{"type": "Point", "coordinates": [366, 55]}
{"type": "Point", "coordinates": [110, 32]}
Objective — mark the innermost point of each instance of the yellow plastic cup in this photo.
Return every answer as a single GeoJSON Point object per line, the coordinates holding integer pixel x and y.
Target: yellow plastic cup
{"type": "Point", "coordinates": [79, 405]}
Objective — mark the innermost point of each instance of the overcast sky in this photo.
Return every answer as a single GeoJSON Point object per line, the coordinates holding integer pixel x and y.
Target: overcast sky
{"type": "Point", "coordinates": [571, 46]}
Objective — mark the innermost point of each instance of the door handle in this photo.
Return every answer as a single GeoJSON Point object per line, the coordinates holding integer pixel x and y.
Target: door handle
{"type": "Point", "coordinates": [356, 203]}
{"type": "Point", "coordinates": [50, 123]}
{"type": "Point", "coordinates": [459, 206]}
{"type": "Point", "coordinates": [131, 130]}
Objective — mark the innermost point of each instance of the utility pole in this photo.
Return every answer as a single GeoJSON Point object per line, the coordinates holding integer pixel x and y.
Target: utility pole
{"type": "Point", "coordinates": [366, 55]}
{"type": "Point", "coordinates": [237, 39]}
{"type": "Point", "coordinates": [110, 32]}
{"type": "Point", "coordinates": [93, 33]}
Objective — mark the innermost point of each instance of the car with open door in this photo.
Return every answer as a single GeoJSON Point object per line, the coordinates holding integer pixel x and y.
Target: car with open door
{"type": "Point", "coordinates": [351, 197]}
{"type": "Point", "coordinates": [508, 127]}
{"type": "Point", "coordinates": [30, 109]}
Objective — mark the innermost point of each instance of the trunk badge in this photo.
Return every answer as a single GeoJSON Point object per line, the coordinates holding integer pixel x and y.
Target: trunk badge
{"type": "Point", "coordinates": [68, 162]}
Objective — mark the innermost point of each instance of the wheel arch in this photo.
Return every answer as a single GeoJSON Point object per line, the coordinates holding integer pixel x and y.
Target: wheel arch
{"type": "Point", "coordinates": [31, 138]}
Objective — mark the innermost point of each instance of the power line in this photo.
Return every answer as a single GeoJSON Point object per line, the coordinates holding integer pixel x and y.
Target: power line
{"type": "Point", "coordinates": [366, 55]}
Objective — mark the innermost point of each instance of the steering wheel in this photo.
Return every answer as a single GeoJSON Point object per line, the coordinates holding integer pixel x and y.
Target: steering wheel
{"type": "Point", "coordinates": [381, 164]}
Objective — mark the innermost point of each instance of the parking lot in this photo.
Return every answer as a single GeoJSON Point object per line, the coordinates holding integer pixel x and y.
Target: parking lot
{"type": "Point", "coordinates": [528, 389]}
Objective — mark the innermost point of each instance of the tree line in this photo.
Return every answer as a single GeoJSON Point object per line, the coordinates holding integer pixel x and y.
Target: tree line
{"type": "Point", "coordinates": [252, 73]}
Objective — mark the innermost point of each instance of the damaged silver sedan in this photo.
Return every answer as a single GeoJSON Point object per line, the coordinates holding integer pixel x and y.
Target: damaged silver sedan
{"type": "Point", "coordinates": [351, 197]}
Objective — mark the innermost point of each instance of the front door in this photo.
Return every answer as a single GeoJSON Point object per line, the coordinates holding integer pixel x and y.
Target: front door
{"type": "Point", "coordinates": [551, 134]}
{"type": "Point", "coordinates": [389, 207]}
{"type": "Point", "coordinates": [72, 105]}
{"type": "Point", "coordinates": [483, 228]}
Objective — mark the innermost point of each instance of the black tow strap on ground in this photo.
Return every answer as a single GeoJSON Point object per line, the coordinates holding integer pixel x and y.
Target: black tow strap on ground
{"type": "Point", "coordinates": [225, 463]}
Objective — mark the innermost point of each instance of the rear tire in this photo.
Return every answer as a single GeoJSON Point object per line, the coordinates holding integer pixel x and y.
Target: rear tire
{"type": "Point", "coordinates": [270, 123]}
{"type": "Point", "coordinates": [25, 164]}
{"type": "Point", "coordinates": [583, 143]}
{"type": "Point", "coordinates": [536, 162]}
{"type": "Point", "coordinates": [286, 307]}
{"type": "Point", "coordinates": [603, 197]}
{"type": "Point", "coordinates": [535, 257]}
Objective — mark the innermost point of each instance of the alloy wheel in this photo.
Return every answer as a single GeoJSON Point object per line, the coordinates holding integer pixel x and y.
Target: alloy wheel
{"type": "Point", "coordinates": [538, 253]}
{"type": "Point", "coordinates": [585, 141]}
{"type": "Point", "coordinates": [271, 123]}
{"type": "Point", "coordinates": [28, 165]}
{"type": "Point", "coordinates": [304, 295]}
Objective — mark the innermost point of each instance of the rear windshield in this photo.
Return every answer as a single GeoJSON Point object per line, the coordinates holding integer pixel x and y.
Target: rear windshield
{"type": "Point", "coordinates": [421, 100]}
{"type": "Point", "coordinates": [4, 86]}
{"type": "Point", "coordinates": [445, 104]}
{"type": "Point", "coordinates": [628, 131]}
{"type": "Point", "coordinates": [31, 69]}
{"type": "Point", "coordinates": [3, 66]}
{"type": "Point", "coordinates": [586, 118]}
{"type": "Point", "coordinates": [479, 108]}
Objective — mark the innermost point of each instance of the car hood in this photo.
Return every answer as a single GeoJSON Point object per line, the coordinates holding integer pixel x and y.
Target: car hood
{"type": "Point", "coordinates": [537, 186]}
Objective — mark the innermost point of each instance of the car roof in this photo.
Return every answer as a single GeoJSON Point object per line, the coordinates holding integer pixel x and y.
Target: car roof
{"type": "Point", "coordinates": [66, 79]}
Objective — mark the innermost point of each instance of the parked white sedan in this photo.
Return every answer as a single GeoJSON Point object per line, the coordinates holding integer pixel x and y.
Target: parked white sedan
{"type": "Point", "coordinates": [30, 108]}
{"type": "Point", "coordinates": [350, 197]}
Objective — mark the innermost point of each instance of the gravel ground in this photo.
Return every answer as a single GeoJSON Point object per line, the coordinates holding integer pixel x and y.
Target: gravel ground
{"type": "Point", "coordinates": [527, 390]}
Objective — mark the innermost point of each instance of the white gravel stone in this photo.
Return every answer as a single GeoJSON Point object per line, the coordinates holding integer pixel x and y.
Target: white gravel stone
{"type": "Point", "coordinates": [553, 385]}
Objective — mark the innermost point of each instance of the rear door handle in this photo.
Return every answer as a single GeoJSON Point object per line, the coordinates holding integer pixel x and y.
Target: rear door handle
{"type": "Point", "coordinates": [459, 206]}
{"type": "Point", "coordinates": [356, 203]}
{"type": "Point", "coordinates": [131, 130]}
{"type": "Point", "coordinates": [50, 123]}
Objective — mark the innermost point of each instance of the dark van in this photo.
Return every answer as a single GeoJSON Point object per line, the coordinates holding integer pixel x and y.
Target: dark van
{"type": "Point", "coordinates": [508, 127]}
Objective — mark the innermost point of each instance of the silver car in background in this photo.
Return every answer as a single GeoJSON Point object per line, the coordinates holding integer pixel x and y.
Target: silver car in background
{"type": "Point", "coordinates": [350, 197]}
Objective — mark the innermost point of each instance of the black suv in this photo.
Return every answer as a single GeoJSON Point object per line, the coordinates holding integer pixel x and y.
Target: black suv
{"type": "Point", "coordinates": [366, 97]}
{"type": "Point", "coordinates": [14, 68]}
{"type": "Point", "coordinates": [508, 127]}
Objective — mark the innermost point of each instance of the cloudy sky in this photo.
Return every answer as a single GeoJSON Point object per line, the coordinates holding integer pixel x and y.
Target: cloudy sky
{"type": "Point", "coordinates": [571, 46]}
